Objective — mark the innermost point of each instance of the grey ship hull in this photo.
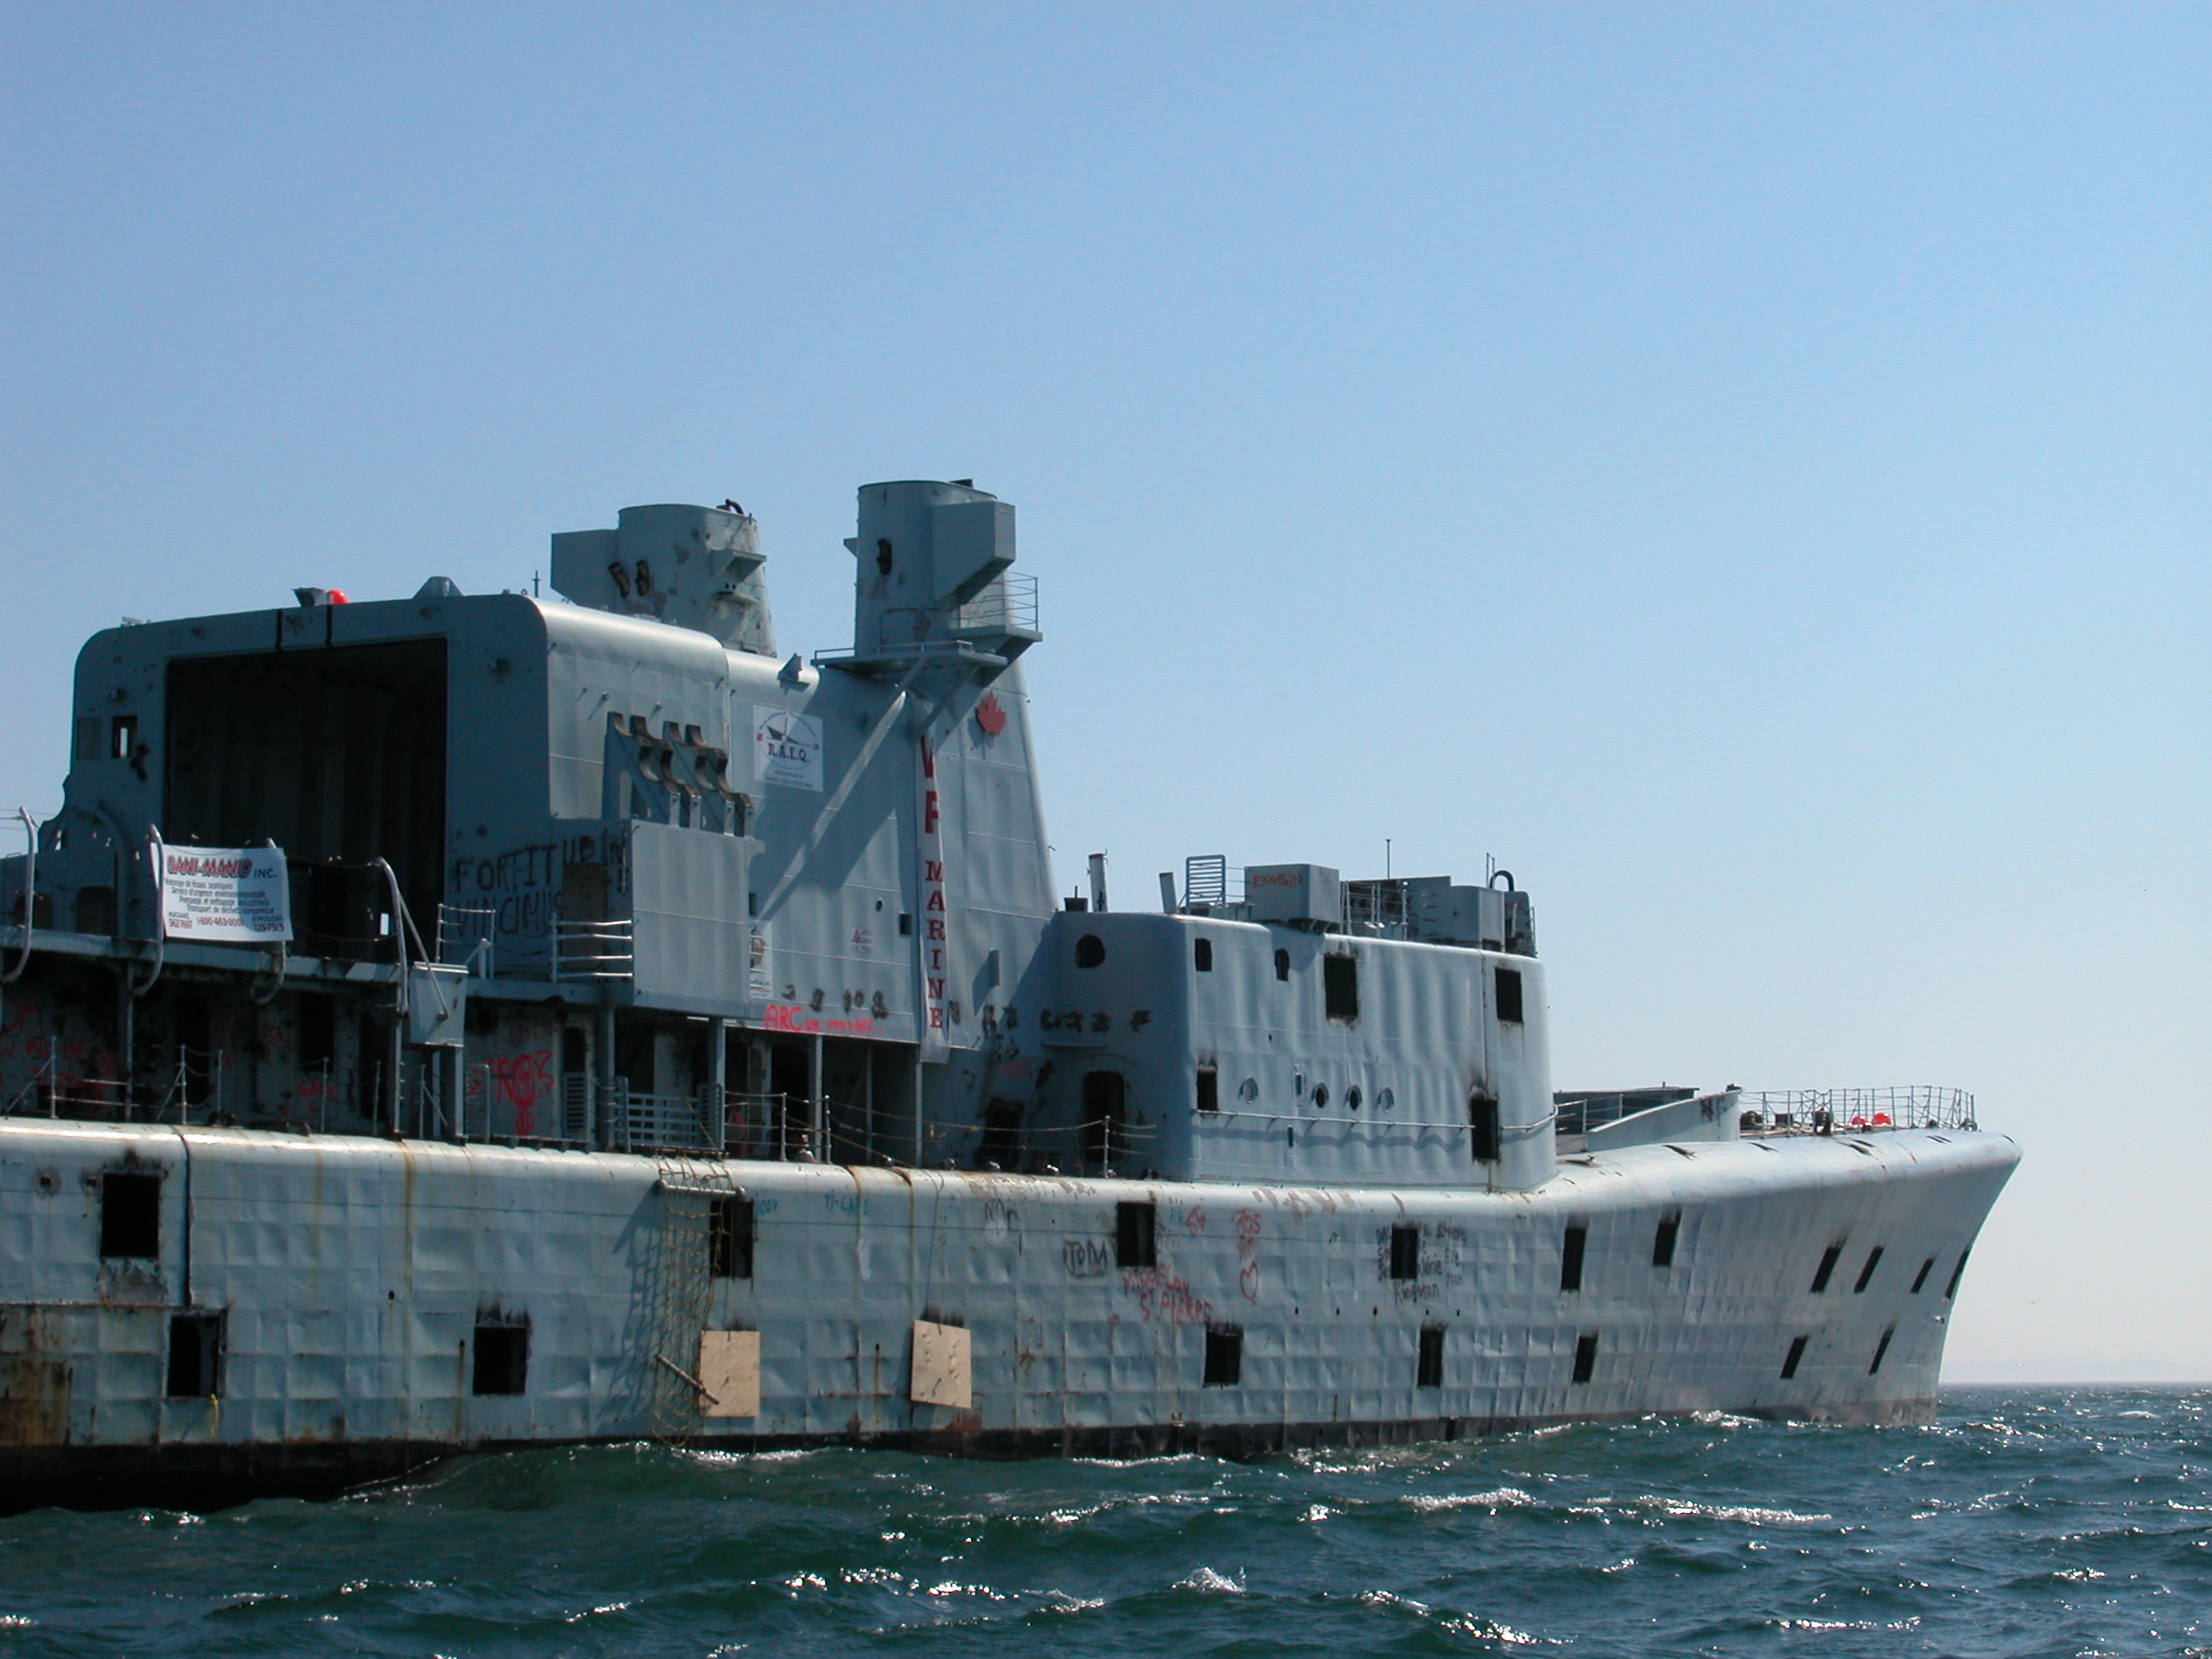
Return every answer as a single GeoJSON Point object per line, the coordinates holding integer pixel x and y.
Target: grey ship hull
{"type": "Point", "coordinates": [358, 1274]}
{"type": "Point", "coordinates": [554, 921]}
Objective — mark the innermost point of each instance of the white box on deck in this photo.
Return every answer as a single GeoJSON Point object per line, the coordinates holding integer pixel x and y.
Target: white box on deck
{"type": "Point", "coordinates": [1294, 892]}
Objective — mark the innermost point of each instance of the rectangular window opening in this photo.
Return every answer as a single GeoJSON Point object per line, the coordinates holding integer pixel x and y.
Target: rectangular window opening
{"type": "Point", "coordinates": [502, 1359]}
{"type": "Point", "coordinates": [1283, 964]}
{"type": "Point", "coordinates": [123, 736]}
{"type": "Point", "coordinates": [1340, 987]}
{"type": "Point", "coordinates": [1586, 1356]}
{"type": "Point", "coordinates": [1209, 1089]}
{"type": "Point", "coordinates": [1137, 1235]}
{"type": "Point", "coordinates": [1428, 1370]}
{"type": "Point", "coordinates": [1796, 1354]}
{"type": "Point", "coordinates": [1920, 1278]}
{"type": "Point", "coordinates": [1829, 1257]}
{"type": "Point", "coordinates": [195, 1355]}
{"type": "Point", "coordinates": [1224, 1356]}
{"type": "Point", "coordinates": [729, 1237]}
{"type": "Point", "coordinates": [1662, 1241]}
{"type": "Point", "coordinates": [1405, 1252]}
{"type": "Point", "coordinates": [1202, 956]}
{"type": "Point", "coordinates": [1952, 1289]}
{"type": "Point", "coordinates": [1570, 1258]}
{"type": "Point", "coordinates": [130, 1215]}
{"type": "Point", "coordinates": [1482, 1126]}
{"type": "Point", "coordinates": [1881, 1348]}
{"type": "Point", "coordinates": [1866, 1273]}
{"type": "Point", "coordinates": [1509, 995]}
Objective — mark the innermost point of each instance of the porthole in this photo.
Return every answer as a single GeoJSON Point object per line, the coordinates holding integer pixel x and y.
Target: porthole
{"type": "Point", "coordinates": [1320, 1096]}
{"type": "Point", "coordinates": [1249, 1090]}
{"type": "Point", "coordinates": [1351, 1099]}
{"type": "Point", "coordinates": [1385, 1100]}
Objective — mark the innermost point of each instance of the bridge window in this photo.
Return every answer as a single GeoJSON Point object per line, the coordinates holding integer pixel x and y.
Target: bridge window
{"type": "Point", "coordinates": [1224, 1356]}
{"type": "Point", "coordinates": [1509, 995]}
{"type": "Point", "coordinates": [130, 1215]}
{"type": "Point", "coordinates": [1340, 988]}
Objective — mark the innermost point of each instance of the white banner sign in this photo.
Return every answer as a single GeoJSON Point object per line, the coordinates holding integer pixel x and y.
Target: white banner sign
{"type": "Point", "coordinates": [226, 894]}
{"type": "Point", "coordinates": [786, 748]}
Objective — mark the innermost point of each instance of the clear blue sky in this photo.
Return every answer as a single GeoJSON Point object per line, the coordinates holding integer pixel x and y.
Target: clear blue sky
{"type": "Point", "coordinates": [1744, 467]}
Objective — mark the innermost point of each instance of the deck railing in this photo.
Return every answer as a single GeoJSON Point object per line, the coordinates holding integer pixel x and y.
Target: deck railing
{"type": "Point", "coordinates": [1830, 1111]}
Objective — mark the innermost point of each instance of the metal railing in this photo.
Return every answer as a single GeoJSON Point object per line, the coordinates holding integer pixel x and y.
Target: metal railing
{"type": "Point", "coordinates": [644, 1123]}
{"type": "Point", "coordinates": [593, 950]}
{"type": "Point", "coordinates": [1855, 1111]}
{"type": "Point", "coordinates": [465, 937]}
{"type": "Point", "coordinates": [1008, 604]}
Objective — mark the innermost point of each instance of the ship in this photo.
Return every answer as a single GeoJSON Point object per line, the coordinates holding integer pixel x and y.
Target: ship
{"type": "Point", "coordinates": [466, 1022]}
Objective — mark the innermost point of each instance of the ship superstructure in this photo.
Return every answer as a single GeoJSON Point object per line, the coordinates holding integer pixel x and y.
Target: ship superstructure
{"type": "Point", "coordinates": [468, 1020]}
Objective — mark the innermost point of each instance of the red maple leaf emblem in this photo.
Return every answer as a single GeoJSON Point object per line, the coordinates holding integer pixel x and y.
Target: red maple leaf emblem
{"type": "Point", "coordinates": [990, 715]}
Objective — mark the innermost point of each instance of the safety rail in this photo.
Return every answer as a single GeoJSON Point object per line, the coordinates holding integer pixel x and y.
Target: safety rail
{"type": "Point", "coordinates": [772, 1128]}
{"type": "Point", "coordinates": [1825, 1111]}
{"type": "Point", "coordinates": [466, 934]}
{"type": "Point", "coordinates": [593, 950]}
{"type": "Point", "coordinates": [1209, 882]}
{"type": "Point", "coordinates": [637, 1122]}
{"type": "Point", "coordinates": [1007, 604]}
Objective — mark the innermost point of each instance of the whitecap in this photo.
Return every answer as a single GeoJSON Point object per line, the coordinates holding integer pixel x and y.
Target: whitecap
{"type": "Point", "coordinates": [1206, 1581]}
{"type": "Point", "coordinates": [1506, 1497]}
{"type": "Point", "coordinates": [1745, 1514]}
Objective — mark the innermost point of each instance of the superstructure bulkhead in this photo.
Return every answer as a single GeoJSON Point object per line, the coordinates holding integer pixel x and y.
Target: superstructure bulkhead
{"type": "Point", "coordinates": [472, 1021]}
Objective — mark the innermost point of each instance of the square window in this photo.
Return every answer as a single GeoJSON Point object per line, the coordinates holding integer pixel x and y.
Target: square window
{"type": "Point", "coordinates": [1137, 1235]}
{"type": "Point", "coordinates": [1570, 1258]}
{"type": "Point", "coordinates": [1509, 995]}
{"type": "Point", "coordinates": [1585, 1357]}
{"type": "Point", "coordinates": [1405, 1252]}
{"type": "Point", "coordinates": [1429, 1369]}
{"type": "Point", "coordinates": [1340, 988]}
{"type": "Point", "coordinates": [130, 1215]}
{"type": "Point", "coordinates": [195, 1355]}
{"type": "Point", "coordinates": [502, 1361]}
{"type": "Point", "coordinates": [1224, 1356]}
{"type": "Point", "coordinates": [729, 1237]}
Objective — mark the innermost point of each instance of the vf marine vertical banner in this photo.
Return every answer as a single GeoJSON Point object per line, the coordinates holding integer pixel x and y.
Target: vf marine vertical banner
{"type": "Point", "coordinates": [928, 932]}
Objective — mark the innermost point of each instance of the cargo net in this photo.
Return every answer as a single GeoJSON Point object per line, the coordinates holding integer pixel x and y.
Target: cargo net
{"type": "Point", "coordinates": [1830, 1111]}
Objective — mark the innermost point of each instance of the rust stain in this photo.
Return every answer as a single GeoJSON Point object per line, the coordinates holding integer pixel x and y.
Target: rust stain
{"type": "Point", "coordinates": [34, 1381]}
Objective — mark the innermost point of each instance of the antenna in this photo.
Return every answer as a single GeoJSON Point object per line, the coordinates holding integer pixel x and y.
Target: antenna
{"type": "Point", "coordinates": [1386, 858]}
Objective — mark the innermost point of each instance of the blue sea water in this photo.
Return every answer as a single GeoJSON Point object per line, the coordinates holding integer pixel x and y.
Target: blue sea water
{"type": "Point", "coordinates": [2059, 1522]}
